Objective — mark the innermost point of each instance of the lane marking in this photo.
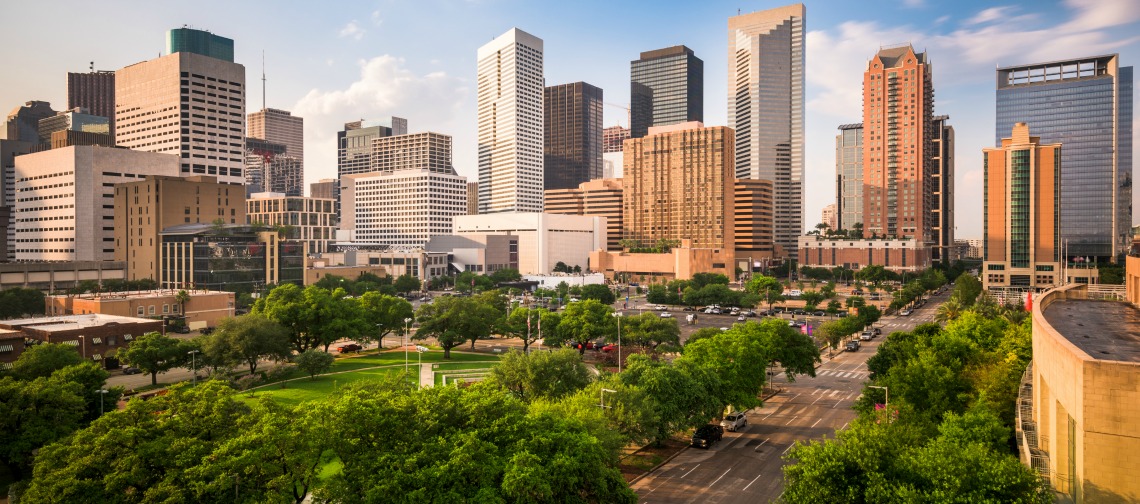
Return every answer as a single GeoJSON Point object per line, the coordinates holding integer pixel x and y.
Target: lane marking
{"type": "Point", "coordinates": [751, 482]}
{"type": "Point", "coordinates": [816, 400]}
{"type": "Point", "coordinates": [788, 448]}
{"type": "Point", "coordinates": [816, 422]}
{"type": "Point", "coordinates": [833, 392]}
{"type": "Point", "coordinates": [761, 444]}
{"type": "Point", "coordinates": [837, 404]}
{"type": "Point", "coordinates": [718, 479]}
{"type": "Point", "coordinates": [792, 420]}
{"type": "Point", "coordinates": [691, 470]}
{"type": "Point", "coordinates": [844, 426]}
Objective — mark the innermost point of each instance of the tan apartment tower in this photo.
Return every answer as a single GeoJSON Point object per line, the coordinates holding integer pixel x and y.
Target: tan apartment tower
{"type": "Point", "coordinates": [1022, 245]}
{"type": "Point", "coordinates": [898, 106]}
{"type": "Point", "coordinates": [679, 185]}
{"type": "Point", "coordinates": [144, 208]}
{"type": "Point", "coordinates": [599, 197]}
{"type": "Point", "coordinates": [279, 127]}
{"type": "Point", "coordinates": [754, 228]}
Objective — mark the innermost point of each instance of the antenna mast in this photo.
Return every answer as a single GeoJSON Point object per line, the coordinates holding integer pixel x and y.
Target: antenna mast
{"type": "Point", "coordinates": [263, 79]}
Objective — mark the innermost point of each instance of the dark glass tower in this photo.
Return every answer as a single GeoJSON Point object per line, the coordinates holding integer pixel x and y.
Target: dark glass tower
{"type": "Point", "coordinates": [667, 86]}
{"type": "Point", "coordinates": [572, 151]}
{"type": "Point", "coordinates": [199, 42]}
{"type": "Point", "coordinates": [1084, 104]}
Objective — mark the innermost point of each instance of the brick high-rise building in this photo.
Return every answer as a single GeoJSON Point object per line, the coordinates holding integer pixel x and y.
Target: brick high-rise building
{"type": "Point", "coordinates": [1023, 187]}
{"type": "Point", "coordinates": [599, 197]}
{"type": "Point", "coordinates": [667, 86]}
{"type": "Point", "coordinates": [572, 145]}
{"type": "Point", "coordinates": [898, 108]}
{"type": "Point", "coordinates": [94, 91]}
{"type": "Point", "coordinates": [679, 184]}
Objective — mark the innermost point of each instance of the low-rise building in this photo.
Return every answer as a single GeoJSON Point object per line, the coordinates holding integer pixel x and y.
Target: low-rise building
{"type": "Point", "coordinates": [235, 258]}
{"type": "Point", "coordinates": [311, 221]}
{"type": "Point", "coordinates": [896, 255]}
{"type": "Point", "coordinates": [543, 239]}
{"type": "Point", "coordinates": [56, 276]}
{"type": "Point", "coordinates": [11, 346]}
{"type": "Point", "coordinates": [317, 269]}
{"type": "Point", "coordinates": [679, 263]}
{"type": "Point", "coordinates": [483, 254]}
{"type": "Point", "coordinates": [96, 337]}
{"type": "Point", "coordinates": [395, 261]}
{"type": "Point", "coordinates": [204, 308]}
{"type": "Point", "coordinates": [601, 197]}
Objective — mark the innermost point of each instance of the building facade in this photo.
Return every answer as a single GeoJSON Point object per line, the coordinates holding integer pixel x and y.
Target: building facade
{"type": "Point", "coordinates": [64, 200]}
{"type": "Point", "coordinates": [849, 176]}
{"type": "Point", "coordinates": [94, 91]}
{"type": "Point", "coordinates": [417, 151]}
{"type": "Point", "coordinates": [401, 208]}
{"type": "Point", "coordinates": [54, 276]}
{"type": "Point", "coordinates": [679, 185]}
{"type": "Point", "coordinates": [311, 221]}
{"type": "Point", "coordinates": [142, 209]}
{"type": "Point", "coordinates": [279, 127]}
{"type": "Point", "coordinates": [680, 263]}
{"type": "Point", "coordinates": [268, 168]}
{"type": "Point", "coordinates": [898, 108]}
{"type": "Point", "coordinates": [23, 123]}
{"type": "Point", "coordinates": [472, 198]}
{"type": "Point", "coordinates": [396, 262]}
{"type": "Point", "coordinates": [72, 120]}
{"type": "Point", "coordinates": [613, 138]}
{"type": "Point", "coordinates": [754, 228]}
{"type": "Point", "coordinates": [667, 86]}
{"type": "Point", "coordinates": [96, 337]}
{"type": "Point", "coordinates": [205, 308]}
{"type": "Point", "coordinates": [1023, 184]}
{"type": "Point", "coordinates": [543, 239]}
{"type": "Point", "coordinates": [942, 189]}
{"type": "Point", "coordinates": [896, 255]}
{"type": "Point", "coordinates": [828, 216]}
{"type": "Point", "coordinates": [477, 253]}
{"type": "Point", "coordinates": [510, 104]}
{"type": "Point", "coordinates": [354, 143]}
{"type": "Point", "coordinates": [233, 258]}
{"type": "Point", "coordinates": [572, 145]}
{"type": "Point", "coordinates": [323, 189]}
{"type": "Point", "coordinates": [1086, 105]}
{"type": "Point", "coordinates": [186, 104]}
{"type": "Point", "coordinates": [766, 107]}
{"type": "Point", "coordinates": [9, 149]}
{"type": "Point", "coordinates": [601, 197]}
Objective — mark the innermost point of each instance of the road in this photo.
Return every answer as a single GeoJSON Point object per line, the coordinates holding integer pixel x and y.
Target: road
{"type": "Point", "coordinates": [746, 466]}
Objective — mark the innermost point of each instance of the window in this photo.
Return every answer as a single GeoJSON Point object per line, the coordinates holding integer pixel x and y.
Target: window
{"type": "Point", "coordinates": [165, 308]}
{"type": "Point", "coordinates": [96, 341]}
{"type": "Point", "coordinates": [141, 311]}
{"type": "Point", "coordinates": [152, 309]}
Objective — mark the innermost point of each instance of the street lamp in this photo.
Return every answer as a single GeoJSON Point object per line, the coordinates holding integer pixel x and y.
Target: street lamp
{"type": "Point", "coordinates": [419, 359]}
{"type": "Point", "coordinates": [194, 364]}
{"type": "Point", "coordinates": [102, 394]}
{"type": "Point", "coordinates": [886, 399]}
{"type": "Point", "coordinates": [407, 322]}
{"type": "Point", "coordinates": [618, 316]}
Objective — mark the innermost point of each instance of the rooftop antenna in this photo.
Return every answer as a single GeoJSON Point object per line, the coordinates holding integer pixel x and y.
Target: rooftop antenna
{"type": "Point", "coordinates": [263, 79]}
{"type": "Point", "coordinates": [92, 67]}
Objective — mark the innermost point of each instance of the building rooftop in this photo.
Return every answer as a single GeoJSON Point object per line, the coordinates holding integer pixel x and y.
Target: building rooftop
{"type": "Point", "coordinates": [146, 294]}
{"type": "Point", "coordinates": [1105, 330]}
{"type": "Point", "coordinates": [72, 322]}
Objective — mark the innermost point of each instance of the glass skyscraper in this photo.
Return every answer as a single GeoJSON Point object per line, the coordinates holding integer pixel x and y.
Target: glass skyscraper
{"type": "Point", "coordinates": [667, 86]}
{"type": "Point", "coordinates": [572, 149]}
{"type": "Point", "coordinates": [199, 42]}
{"type": "Point", "coordinates": [1084, 104]}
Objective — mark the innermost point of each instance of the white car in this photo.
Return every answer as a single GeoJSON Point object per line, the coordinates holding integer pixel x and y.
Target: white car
{"type": "Point", "coordinates": [795, 293]}
{"type": "Point", "coordinates": [734, 421]}
{"type": "Point", "coordinates": [660, 308]}
{"type": "Point", "coordinates": [741, 318]}
{"type": "Point", "coordinates": [905, 313]}
{"type": "Point", "coordinates": [666, 315]}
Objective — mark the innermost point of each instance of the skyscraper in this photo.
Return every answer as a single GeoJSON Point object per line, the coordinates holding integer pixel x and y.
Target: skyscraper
{"type": "Point", "coordinates": [208, 92]}
{"type": "Point", "coordinates": [766, 108]}
{"type": "Point", "coordinates": [354, 143]}
{"type": "Point", "coordinates": [613, 137]}
{"type": "Point", "coordinates": [1023, 187]}
{"type": "Point", "coordinates": [23, 123]}
{"type": "Point", "coordinates": [573, 135]}
{"type": "Point", "coordinates": [1086, 105]}
{"type": "Point", "coordinates": [94, 91]}
{"type": "Point", "coordinates": [280, 127]}
{"type": "Point", "coordinates": [269, 168]}
{"type": "Point", "coordinates": [898, 109]}
{"type": "Point", "coordinates": [942, 189]}
{"type": "Point", "coordinates": [667, 86]}
{"type": "Point", "coordinates": [510, 103]}
{"type": "Point", "coordinates": [849, 176]}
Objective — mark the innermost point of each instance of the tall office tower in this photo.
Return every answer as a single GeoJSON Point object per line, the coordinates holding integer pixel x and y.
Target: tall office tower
{"type": "Point", "coordinates": [72, 120]}
{"type": "Point", "coordinates": [268, 168]}
{"type": "Point", "coordinates": [667, 86]}
{"type": "Point", "coordinates": [1023, 193]}
{"type": "Point", "coordinates": [572, 146]}
{"type": "Point", "coordinates": [511, 119]}
{"type": "Point", "coordinates": [849, 176]}
{"type": "Point", "coordinates": [942, 187]}
{"type": "Point", "coordinates": [9, 149]}
{"type": "Point", "coordinates": [766, 108]}
{"type": "Point", "coordinates": [323, 188]}
{"type": "Point", "coordinates": [23, 123]}
{"type": "Point", "coordinates": [64, 208]}
{"type": "Point", "coordinates": [280, 127]}
{"type": "Point", "coordinates": [1085, 104]}
{"type": "Point", "coordinates": [410, 195]}
{"type": "Point", "coordinates": [94, 91]}
{"type": "Point", "coordinates": [354, 143]}
{"type": "Point", "coordinates": [679, 185]}
{"type": "Point", "coordinates": [613, 138]}
{"type": "Point", "coordinates": [753, 231]}
{"type": "Point", "coordinates": [598, 197]}
{"type": "Point", "coordinates": [898, 108]}
{"type": "Point", "coordinates": [144, 208]}
{"type": "Point", "coordinates": [828, 216]}
{"type": "Point", "coordinates": [189, 103]}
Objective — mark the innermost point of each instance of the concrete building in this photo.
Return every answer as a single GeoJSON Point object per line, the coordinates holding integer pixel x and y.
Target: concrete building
{"type": "Point", "coordinates": [318, 269]}
{"type": "Point", "coordinates": [543, 239]}
{"type": "Point", "coordinates": [417, 151]}
{"type": "Point", "coordinates": [679, 263]}
{"type": "Point", "coordinates": [144, 208]}
{"type": "Point", "coordinates": [679, 185]}
{"type": "Point", "coordinates": [754, 222]}
{"type": "Point", "coordinates": [205, 308]}
{"type": "Point", "coordinates": [472, 198]}
{"type": "Point", "coordinates": [898, 109]}
{"type": "Point", "coordinates": [896, 255]}
{"type": "Point", "coordinates": [396, 262]}
{"type": "Point", "coordinates": [1022, 205]}
{"type": "Point", "coordinates": [1086, 105]}
{"type": "Point", "coordinates": [766, 107]}
{"type": "Point", "coordinates": [942, 189]}
{"type": "Point", "coordinates": [56, 276]}
{"type": "Point", "coordinates": [402, 207]}
{"type": "Point", "coordinates": [510, 103]}
{"type": "Point", "coordinates": [478, 253]}
{"type": "Point", "coordinates": [208, 135]}
{"type": "Point", "coordinates": [95, 337]}
{"type": "Point", "coordinates": [976, 248]}
{"type": "Point", "coordinates": [279, 127]}
{"type": "Point", "coordinates": [64, 205]}
{"type": "Point", "coordinates": [828, 216]}
{"type": "Point", "coordinates": [849, 176]}
{"type": "Point", "coordinates": [11, 346]}
{"type": "Point", "coordinates": [268, 168]}
{"type": "Point", "coordinates": [232, 257]}
{"type": "Point", "coordinates": [311, 221]}
{"type": "Point", "coordinates": [613, 139]}
{"type": "Point", "coordinates": [354, 143]}
{"type": "Point", "coordinates": [72, 120]}
{"type": "Point", "coordinates": [613, 164]}
{"type": "Point", "coordinates": [600, 197]}
{"type": "Point", "coordinates": [572, 145]}
{"type": "Point", "coordinates": [23, 122]}
{"type": "Point", "coordinates": [69, 138]}
{"type": "Point", "coordinates": [323, 189]}
{"type": "Point", "coordinates": [94, 91]}
{"type": "Point", "coordinates": [667, 86]}
{"type": "Point", "coordinates": [9, 149]}
{"type": "Point", "coordinates": [1078, 407]}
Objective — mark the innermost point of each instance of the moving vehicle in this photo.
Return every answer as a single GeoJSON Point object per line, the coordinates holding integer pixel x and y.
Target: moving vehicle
{"type": "Point", "coordinates": [688, 308]}
{"type": "Point", "coordinates": [734, 421]}
{"type": "Point", "coordinates": [131, 370]}
{"type": "Point", "coordinates": [666, 314]}
{"type": "Point", "coordinates": [820, 313]}
{"type": "Point", "coordinates": [660, 308]}
{"type": "Point", "coordinates": [866, 336]}
{"type": "Point", "coordinates": [706, 435]}
{"type": "Point", "coordinates": [852, 346]}
{"type": "Point", "coordinates": [906, 312]}
{"type": "Point", "coordinates": [351, 347]}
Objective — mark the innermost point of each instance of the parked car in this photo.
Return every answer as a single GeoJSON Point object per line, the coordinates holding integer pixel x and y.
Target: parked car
{"type": "Point", "coordinates": [799, 312]}
{"type": "Point", "coordinates": [706, 435]}
{"type": "Point", "coordinates": [349, 348]}
{"type": "Point", "coordinates": [875, 296]}
{"type": "Point", "coordinates": [666, 314]}
{"type": "Point", "coordinates": [866, 336]}
{"type": "Point", "coordinates": [906, 312]}
{"type": "Point", "coordinates": [856, 292]}
{"type": "Point", "coordinates": [852, 346]}
{"type": "Point", "coordinates": [660, 307]}
{"type": "Point", "coordinates": [206, 330]}
{"type": "Point", "coordinates": [878, 330]}
{"type": "Point", "coordinates": [610, 348]}
{"type": "Point", "coordinates": [734, 421]}
{"type": "Point", "coordinates": [841, 314]}
{"type": "Point", "coordinates": [688, 308]}
{"type": "Point", "coordinates": [820, 313]}
{"type": "Point", "coordinates": [741, 318]}
{"type": "Point", "coordinates": [131, 370]}
{"type": "Point", "coordinates": [181, 329]}
{"type": "Point", "coordinates": [795, 293]}
{"type": "Point", "coordinates": [573, 300]}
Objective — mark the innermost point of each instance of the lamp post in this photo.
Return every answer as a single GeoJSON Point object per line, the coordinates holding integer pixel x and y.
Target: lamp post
{"type": "Point", "coordinates": [194, 364]}
{"type": "Point", "coordinates": [618, 316]}
{"type": "Point", "coordinates": [102, 394]}
{"type": "Point", "coordinates": [419, 359]}
{"type": "Point", "coordinates": [886, 399]}
{"type": "Point", "coordinates": [407, 327]}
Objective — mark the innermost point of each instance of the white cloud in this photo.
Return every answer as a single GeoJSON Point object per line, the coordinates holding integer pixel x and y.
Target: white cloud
{"type": "Point", "coordinates": [352, 30]}
{"type": "Point", "coordinates": [1097, 14]}
{"type": "Point", "coordinates": [376, 19]}
{"type": "Point", "coordinates": [941, 20]}
{"type": "Point", "coordinates": [385, 88]}
{"type": "Point", "coordinates": [990, 14]}
{"type": "Point", "coordinates": [914, 3]}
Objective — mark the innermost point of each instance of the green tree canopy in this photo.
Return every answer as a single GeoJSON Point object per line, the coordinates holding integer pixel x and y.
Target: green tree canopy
{"type": "Point", "coordinates": [406, 283]}
{"type": "Point", "coordinates": [454, 320]}
{"type": "Point", "coordinates": [598, 292]}
{"type": "Point", "coordinates": [18, 302]}
{"type": "Point", "coordinates": [248, 339]}
{"type": "Point", "coordinates": [314, 362]}
{"type": "Point", "coordinates": [383, 314]}
{"type": "Point", "coordinates": [505, 275]}
{"type": "Point", "coordinates": [546, 375]}
{"type": "Point", "coordinates": [651, 331]}
{"type": "Point", "coordinates": [584, 321]}
{"type": "Point", "coordinates": [154, 353]}
{"type": "Point", "coordinates": [40, 361]}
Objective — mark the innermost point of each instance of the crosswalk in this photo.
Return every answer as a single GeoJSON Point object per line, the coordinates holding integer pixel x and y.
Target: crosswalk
{"type": "Point", "coordinates": [843, 374]}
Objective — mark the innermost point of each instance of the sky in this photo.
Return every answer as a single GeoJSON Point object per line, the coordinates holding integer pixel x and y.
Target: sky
{"type": "Point", "coordinates": [332, 62]}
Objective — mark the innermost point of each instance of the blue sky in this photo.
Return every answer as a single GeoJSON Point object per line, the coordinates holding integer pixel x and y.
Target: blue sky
{"type": "Point", "coordinates": [333, 62]}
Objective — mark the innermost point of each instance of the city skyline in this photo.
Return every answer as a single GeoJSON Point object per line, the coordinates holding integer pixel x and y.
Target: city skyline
{"type": "Point", "coordinates": [357, 65]}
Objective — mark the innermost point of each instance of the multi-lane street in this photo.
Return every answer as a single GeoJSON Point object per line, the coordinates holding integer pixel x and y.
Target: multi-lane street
{"type": "Point", "coordinates": [745, 466]}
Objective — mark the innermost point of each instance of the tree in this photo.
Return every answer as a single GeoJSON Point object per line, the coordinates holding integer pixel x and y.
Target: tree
{"type": "Point", "coordinates": [284, 305]}
{"type": "Point", "coordinates": [651, 331]}
{"type": "Point", "coordinates": [40, 361]}
{"type": "Point", "coordinates": [248, 339]}
{"type": "Point", "coordinates": [834, 306]}
{"type": "Point", "coordinates": [811, 299]}
{"type": "Point", "coordinates": [560, 267]}
{"type": "Point", "coordinates": [767, 288]}
{"type": "Point", "coordinates": [527, 324]}
{"type": "Point", "coordinates": [598, 292]}
{"type": "Point", "coordinates": [682, 396]}
{"type": "Point", "coordinates": [314, 362]}
{"type": "Point", "coordinates": [700, 280]}
{"type": "Point", "coordinates": [948, 311]}
{"type": "Point", "coordinates": [182, 298]}
{"type": "Point", "coordinates": [406, 283]}
{"type": "Point", "coordinates": [505, 275]}
{"type": "Point", "coordinates": [20, 302]}
{"type": "Point", "coordinates": [153, 353]}
{"type": "Point", "coordinates": [966, 289]}
{"type": "Point", "coordinates": [584, 321]}
{"type": "Point", "coordinates": [385, 313]}
{"type": "Point", "coordinates": [330, 316]}
{"type": "Point", "coordinates": [546, 375]}
{"type": "Point", "coordinates": [856, 302]}
{"type": "Point", "coordinates": [34, 413]}
{"type": "Point", "coordinates": [453, 320]}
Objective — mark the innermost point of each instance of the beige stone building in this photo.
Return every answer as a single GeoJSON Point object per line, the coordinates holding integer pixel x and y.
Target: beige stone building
{"type": "Point", "coordinates": [205, 308]}
{"type": "Point", "coordinates": [144, 208]}
{"type": "Point", "coordinates": [600, 197]}
{"type": "Point", "coordinates": [678, 263]}
{"type": "Point", "coordinates": [280, 127]}
{"type": "Point", "coordinates": [679, 185]}
{"type": "Point", "coordinates": [754, 224]}
{"type": "Point", "coordinates": [309, 220]}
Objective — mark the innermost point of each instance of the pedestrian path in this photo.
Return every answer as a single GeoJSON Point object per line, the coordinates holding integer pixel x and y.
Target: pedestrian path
{"type": "Point", "coordinates": [427, 377]}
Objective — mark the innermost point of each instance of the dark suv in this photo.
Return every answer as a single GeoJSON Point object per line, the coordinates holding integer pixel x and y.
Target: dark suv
{"type": "Point", "coordinates": [706, 435]}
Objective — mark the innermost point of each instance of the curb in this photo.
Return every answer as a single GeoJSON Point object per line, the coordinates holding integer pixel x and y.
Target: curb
{"type": "Point", "coordinates": [658, 466]}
